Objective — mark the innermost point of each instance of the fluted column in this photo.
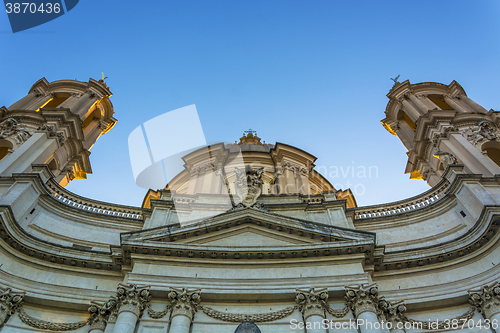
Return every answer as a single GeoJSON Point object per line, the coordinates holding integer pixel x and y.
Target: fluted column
{"type": "Point", "coordinates": [131, 301]}
{"type": "Point", "coordinates": [311, 303]}
{"type": "Point", "coordinates": [9, 302]}
{"type": "Point", "coordinates": [184, 306]}
{"type": "Point", "coordinates": [487, 301]}
{"type": "Point", "coordinates": [363, 301]}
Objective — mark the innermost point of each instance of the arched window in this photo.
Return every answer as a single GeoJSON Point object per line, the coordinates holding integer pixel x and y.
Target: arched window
{"type": "Point", "coordinates": [247, 327]}
{"type": "Point", "coordinates": [5, 145]}
{"type": "Point", "coordinates": [492, 149]}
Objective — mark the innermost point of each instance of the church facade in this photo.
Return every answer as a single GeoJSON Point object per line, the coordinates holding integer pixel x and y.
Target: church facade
{"type": "Point", "coordinates": [249, 237]}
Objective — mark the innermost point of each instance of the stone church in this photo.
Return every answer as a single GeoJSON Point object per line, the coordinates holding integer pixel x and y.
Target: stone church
{"type": "Point", "coordinates": [249, 237]}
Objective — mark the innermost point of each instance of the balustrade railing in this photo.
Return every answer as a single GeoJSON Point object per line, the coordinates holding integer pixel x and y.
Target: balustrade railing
{"type": "Point", "coordinates": [398, 207]}
{"type": "Point", "coordinates": [68, 198]}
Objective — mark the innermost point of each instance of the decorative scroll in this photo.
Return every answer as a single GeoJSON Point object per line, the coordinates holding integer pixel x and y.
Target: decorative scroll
{"type": "Point", "coordinates": [337, 313]}
{"type": "Point", "coordinates": [256, 318]}
{"type": "Point", "coordinates": [158, 314]}
{"type": "Point", "coordinates": [47, 325]}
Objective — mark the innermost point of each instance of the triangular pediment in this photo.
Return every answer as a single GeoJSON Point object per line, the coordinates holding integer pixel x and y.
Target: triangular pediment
{"type": "Point", "coordinates": [249, 227]}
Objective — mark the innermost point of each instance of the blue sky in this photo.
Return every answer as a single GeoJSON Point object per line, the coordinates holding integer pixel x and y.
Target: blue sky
{"type": "Point", "coordinates": [313, 74]}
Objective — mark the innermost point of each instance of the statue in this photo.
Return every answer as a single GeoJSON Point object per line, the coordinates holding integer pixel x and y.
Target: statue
{"type": "Point", "coordinates": [248, 184]}
{"type": "Point", "coordinates": [396, 82]}
{"type": "Point", "coordinates": [446, 158]}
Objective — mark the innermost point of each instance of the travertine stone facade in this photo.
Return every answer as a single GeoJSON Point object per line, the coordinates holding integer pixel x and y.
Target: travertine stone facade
{"type": "Point", "coordinates": [270, 243]}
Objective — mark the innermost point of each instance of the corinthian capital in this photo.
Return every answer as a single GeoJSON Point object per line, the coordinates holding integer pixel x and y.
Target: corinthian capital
{"type": "Point", "coordinates": [362, 298]}
{"type": "Point", "coordinates": [100, 313]}
{"type": "Point", "coordinates": [132, 298]}
{"type": "Point", "coordinates": [9, 303]}
{"type": "Point", "coordinates": [184, 302]}
{"type": "Point", "coordinates": [393, 312]}
{"type": "Point", "coordinates": [486, 299]}
{"type": "Point", "coordinates": [312, 302]}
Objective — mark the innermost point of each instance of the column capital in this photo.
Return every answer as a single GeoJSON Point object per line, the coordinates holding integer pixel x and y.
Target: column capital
{"type": "Point", "coordinates": [393, 312]}
{"type": "Point", "coordinates": [100, 313]}
{"type": "Point", "coordinates": [312, 302]}
{"type": "Point", "coordinates": [486, 299]}
{"type": "Point", "coordinates": [362, 298]}
{"type": "Point", "coordinates": [132, 298]}
{"type": "Point", "coordinates": [184, 301]}
{"type": "Point", "coordinates": [9, 302]}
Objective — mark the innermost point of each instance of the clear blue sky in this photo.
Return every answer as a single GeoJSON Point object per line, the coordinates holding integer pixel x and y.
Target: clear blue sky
{"type": "Point", "coordinates": [313, 74]}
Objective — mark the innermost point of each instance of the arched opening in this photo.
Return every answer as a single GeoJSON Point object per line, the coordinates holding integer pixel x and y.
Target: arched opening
{"type": "Point", "coordinates": [247, 327]}
{"type": "Point", "coordinates": [52, 165]}
{"type": "Point", "coordinates": [439, 101]}
{"type": "Point", "coordinates": [95, 115]}
{"type": "Point", "coordinates": [57, 100]}
{"type": "Point", "coordinates": [492, 150]}
{"type": "Point", "coordinates": [5, 146]}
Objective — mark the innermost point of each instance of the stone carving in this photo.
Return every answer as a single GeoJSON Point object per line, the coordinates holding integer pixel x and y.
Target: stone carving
{"type": "Point", "coordinates": [485, 130]}
{"type": "Point", "coordinates": [363, 298]}
{"type": "Point", "coordinates": [132, 298]}
{"type": "Point", "coordinates": [446, 158]}
{"type": "Point", "coordinates": [47, 325]}
{"type": "Point", "coordinates": [486, 299]}
{"type": "Point", "coordinates": [12, 128]}
{"type": "Point", "coordinates": [184, 302]}
{"type": "Point", "coordinates": [393, 312]}
{"type": "Point", "coordinates": [297, 169]}
{"type": "Point", "coordinates": [247, 327]}
{"type": "Point", "coordinates": [312, 302]}
{"type": "Point", "coordinates": [443, 324]}
{"type": "Point", "coordinates": [9, 303]}
{"type": "Point", "coordinates": [248, 184]}
{"type": "Point", "coordinates": [158, 314]}
{"type": "Point", "coordinates": [242, 317]}
{"type": "Point", "coordinates": [100, 313]}
{"type": "Point", "coordinates": [51, 132]}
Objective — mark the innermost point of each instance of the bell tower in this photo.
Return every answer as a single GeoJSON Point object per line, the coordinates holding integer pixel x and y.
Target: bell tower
{"type": "Point", "coordinates": [440, 125]}
{"type": "Point", "coordinates": [56, 124]}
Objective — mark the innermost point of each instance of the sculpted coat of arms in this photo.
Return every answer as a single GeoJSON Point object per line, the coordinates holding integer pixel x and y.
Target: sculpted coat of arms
{"type": "Point", "coordinates": [248, 184]}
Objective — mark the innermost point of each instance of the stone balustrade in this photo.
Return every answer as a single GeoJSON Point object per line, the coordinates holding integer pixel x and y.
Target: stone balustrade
{"type": "Point", "coordinates": [68, 198]}
{"type": "Point", "coordinates": [425, 199]}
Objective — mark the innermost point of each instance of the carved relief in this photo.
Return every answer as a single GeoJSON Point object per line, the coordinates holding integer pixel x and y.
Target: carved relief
{"type": "Point", "coordinates": [12, 128]}
{"type": "Point", "coordinates": [100, 313]}
{"type": "Point", "coordinates": [363, 298]}
{"type": "Point", "coordinates": [184, 302]}
{"type": "Point", "coordinates": [446, 158]}
{"type": "Point", "coordinates": [248, 184]}
{"type": "Point", "coordinates": [312, 302]}
{"type": "Point", "coordinates": [9, 303]}
{"type": "Point", "coordinates": [485, 130]}
{"type": "Point", "coordinates": [51, 132]}
{"type": "Point", "coordinates": [486, 299]}
{"type": "Point", "coordinates": [132, 298]}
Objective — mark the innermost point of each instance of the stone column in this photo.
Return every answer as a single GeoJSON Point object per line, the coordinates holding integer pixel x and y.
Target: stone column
{"type": "Point", "coordinates": [184, 306]}
{"type": "Point", "coordinates": [487, 301]}
{"type": "Point", "coordinates": [451, 102]}
{"type": "Point", "coordinates": [312, 304]}
{"type": "Point", "coordinates": [476, 107]}
{"type": "Point", "coordinates": [131, 302]}
{"type": "Point", "coordinates": [100, 313]}
{"type": "Point", "coordinates": [9, 303]}
{"type": "Point", "coordinates": [394, 314]}
{"type": "Point", "coordinates": [410, 110]}
{"type": "Point", "coordinates": [419, 104]}
{"type": "Point", "coordinates": [363, 301]}
{"type": "Point", "coordinates": [83, 104]}
{"type": "Point", "coordinates": [24, 102]}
